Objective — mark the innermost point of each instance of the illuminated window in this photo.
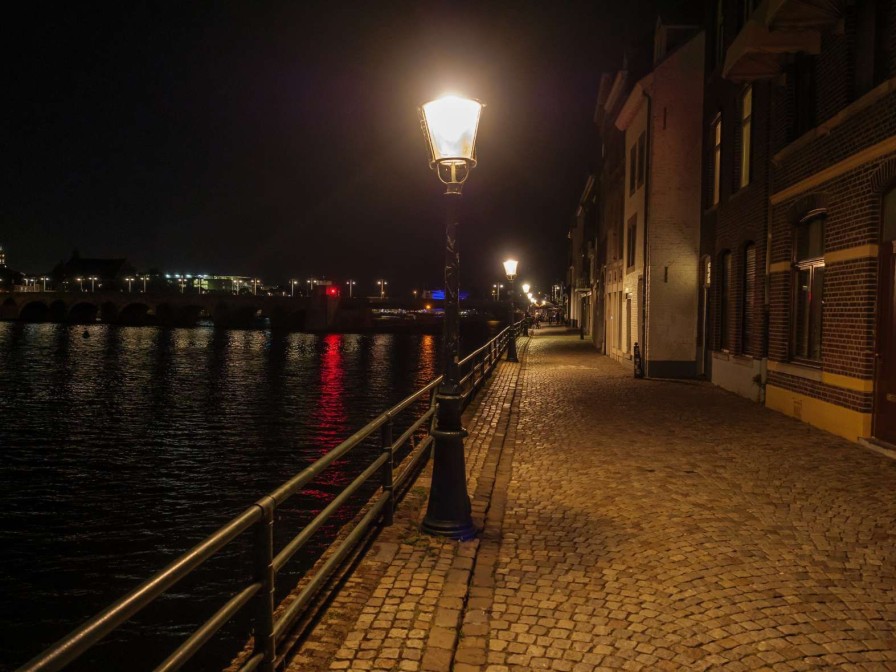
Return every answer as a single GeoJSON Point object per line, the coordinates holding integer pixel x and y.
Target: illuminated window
{"type": "Point", "coordinates": [716, 158]}
{"type": "Point", "coordinates": [746, 116]}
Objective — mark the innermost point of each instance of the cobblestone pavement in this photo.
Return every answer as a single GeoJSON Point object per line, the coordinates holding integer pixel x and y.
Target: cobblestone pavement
{"type": "Point", "coordinates": [633, 525]}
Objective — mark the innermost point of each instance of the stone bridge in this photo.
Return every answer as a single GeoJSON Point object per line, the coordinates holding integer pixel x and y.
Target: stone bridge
{"type": "Point", "coordinates": [316, 313]}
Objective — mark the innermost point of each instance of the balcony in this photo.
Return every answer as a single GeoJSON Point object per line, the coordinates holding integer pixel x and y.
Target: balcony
{"type": "Point", "coordinates": [776, 29]}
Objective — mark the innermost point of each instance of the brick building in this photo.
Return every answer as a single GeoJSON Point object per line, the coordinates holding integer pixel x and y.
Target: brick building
{"type": "Point", "coordinates": [824, 112]}
{"type": "Point", "coordinates": [736, 134]}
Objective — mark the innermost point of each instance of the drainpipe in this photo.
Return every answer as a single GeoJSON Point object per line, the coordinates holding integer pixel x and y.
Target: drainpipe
{"type": "Point", "coordinates": [648, 150]}
{"type": "Point", "coordinates": [766, 299]}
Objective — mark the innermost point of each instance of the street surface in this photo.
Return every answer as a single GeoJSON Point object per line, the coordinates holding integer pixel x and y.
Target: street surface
{"type": "Point", "coordinates": [631, 525]}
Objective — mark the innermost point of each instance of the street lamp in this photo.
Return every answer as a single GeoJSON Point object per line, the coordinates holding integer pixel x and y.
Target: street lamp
{"type": "Point", "coordinates": [510, 270]}
{"type": "Point", "coordinates": [351, 284]}
{"type": "Point", "coordinates": [93, 280]}
{"type": "Point", "coordinates": [496, 290]}
{"type": "Point", "coordinates": [255, 286]}
{"type": "Point", "coordinates": [450, 124]}
{"type": "Point", "coordinates": [526, 287]}
{"type": "Point", "coordinates": [382, 284]}
{"type": "Point", "coordinates": [80, 282]}
{"type": "Point", "coordinates": [130, 280]}
{"type": "Point", "coordinates": [144, 278]}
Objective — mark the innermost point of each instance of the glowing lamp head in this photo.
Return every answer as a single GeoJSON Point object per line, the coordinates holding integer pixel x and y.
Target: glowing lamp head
{"type": "Point", "coordinates": [510, 268]}
{"type": "Point", "coordinates": [526, 288]}
{"type": "Point", "coordinates": [450, 124]}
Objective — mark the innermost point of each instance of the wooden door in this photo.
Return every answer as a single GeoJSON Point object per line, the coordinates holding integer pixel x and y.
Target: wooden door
{"type": "Point", "coordinates": [885, 371]}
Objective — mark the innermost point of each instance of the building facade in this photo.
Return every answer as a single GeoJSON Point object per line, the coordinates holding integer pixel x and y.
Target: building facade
{"type": "Point", "coordinates": [655, 295]}
{"type": "Point", "coordinates": [827, 72]}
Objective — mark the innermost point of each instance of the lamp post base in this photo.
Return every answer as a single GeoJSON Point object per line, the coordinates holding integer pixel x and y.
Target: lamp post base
{"type": "Point", "coordinates": [448, 511]}
{"type": "Point", "coordinates": [511, 347]}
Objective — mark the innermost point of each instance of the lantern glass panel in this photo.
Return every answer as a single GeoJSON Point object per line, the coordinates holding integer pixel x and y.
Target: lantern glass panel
{"type": "Point", "coordinates": [452, 122]}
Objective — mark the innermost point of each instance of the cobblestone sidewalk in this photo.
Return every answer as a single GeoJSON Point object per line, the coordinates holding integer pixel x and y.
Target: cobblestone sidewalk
{"type": "Point", "coordinates": [633, 525]}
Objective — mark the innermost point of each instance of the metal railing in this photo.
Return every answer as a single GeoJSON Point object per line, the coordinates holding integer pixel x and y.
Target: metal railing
{"type": "Point", "coordinates": [268, 626]}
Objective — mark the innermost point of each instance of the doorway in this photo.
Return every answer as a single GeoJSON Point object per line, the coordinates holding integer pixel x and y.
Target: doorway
{"type": "Point", "coordinates": [885, 369]}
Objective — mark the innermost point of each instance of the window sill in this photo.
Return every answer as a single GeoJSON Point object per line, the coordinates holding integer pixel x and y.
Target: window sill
{"type": "Point", "coordinates": [807, 370]}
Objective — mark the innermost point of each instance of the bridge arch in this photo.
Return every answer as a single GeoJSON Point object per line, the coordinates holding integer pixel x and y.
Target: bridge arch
{"type": "Point", "coordinates": [83, 312]}
{"type": "Point", "coordinates": [35, 311]}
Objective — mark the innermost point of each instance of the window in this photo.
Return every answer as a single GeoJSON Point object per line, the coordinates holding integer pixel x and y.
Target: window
{"type": "Point", "coordinates": [720, 33]}
{"type": "Point", "coordinates": [632, 170]}
{"type": "Point", "coordinates": [716, 158]}
{"type": "Point", "coordinates": [870, 65]}
{"type": "Point", "coordinates": [803, 95]}
{"type": "Point", "coordinates": [642, 141]}
{"type": "Point", "coordinates": [725, 300]}
{"type": "Point", "coordinates": [632, 241]}
{"type": "Point", "coordinates": [749, 282]}
{"type": "Point", "coordinates": [746, 115]}
{"type": "Point", "coordinates": [808, 286]}
{"type": "Point", "coordinates": [747, 6]}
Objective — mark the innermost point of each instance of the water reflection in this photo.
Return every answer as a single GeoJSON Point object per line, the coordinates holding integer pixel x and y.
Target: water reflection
{"type": "Point", "coordinates": [123, 448]}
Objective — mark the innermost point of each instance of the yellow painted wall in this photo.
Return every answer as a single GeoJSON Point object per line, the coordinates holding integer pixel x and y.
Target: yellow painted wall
{"type": "Point", "coordinates": [835, 419]}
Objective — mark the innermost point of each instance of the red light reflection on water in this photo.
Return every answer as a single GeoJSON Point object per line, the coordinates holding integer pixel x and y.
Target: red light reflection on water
{"type": "Point", "coordinates": [330, 414]}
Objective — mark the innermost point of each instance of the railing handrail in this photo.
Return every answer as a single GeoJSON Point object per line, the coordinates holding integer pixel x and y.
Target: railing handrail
{"type": "Point", "coordinates": [70, 647]}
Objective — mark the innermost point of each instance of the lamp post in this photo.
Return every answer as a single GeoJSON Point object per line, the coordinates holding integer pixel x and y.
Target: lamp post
{"type": "Point", "coordinates": [450, 124]}
{"type": "Point", "coordinates": [496, 291]}
{"type": "Point", "coordinates": [93, 280]}
{"type": "Point", "coordinates": [351, 284]}
{"type": "Point", "coordinates": [510, 270]}
{"type": "Point", "coordinates": [526, 288]}
{"type": "Point", "coordinates": [130, 280]}
{"type": "Point", "coordinates": [80, 283]}
{"type": "Point", "coordinates": [144, 278]}
{"type": "Point", "coordinates": [382, 284]}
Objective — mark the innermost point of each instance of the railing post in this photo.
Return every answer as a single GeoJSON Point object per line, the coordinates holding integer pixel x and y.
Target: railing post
{"type": "Point", "coordinates": [388, 489]}
{"type": "Point", "coordinates": [264, 573]}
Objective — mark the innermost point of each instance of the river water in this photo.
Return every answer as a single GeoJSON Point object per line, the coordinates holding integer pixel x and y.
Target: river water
{"type": "Point", "coordinates": [123, 448]}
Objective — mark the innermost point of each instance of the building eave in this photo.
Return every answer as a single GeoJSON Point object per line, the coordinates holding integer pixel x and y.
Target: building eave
{"type": "Point", "coordinates": [633, 103]}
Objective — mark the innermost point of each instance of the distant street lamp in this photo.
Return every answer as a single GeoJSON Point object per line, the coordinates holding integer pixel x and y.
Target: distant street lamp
{"type": "Point", "coordinates": [526, 287]}
{"type": "Point", "coordinates": [382, 284]}
{"type": "Point", "coordinates": [311, 283]}
{"type": "Point", "coordinates": [93, 280]}
{"type": "Point", "coordinates": [80, 282]}
{"type": "Point", "coordinates": [292, 287]}
{"type": "Point", "coordinates": [255, 286]}
{"type": "Point", "coordinates": [510, 270]}
{"type": "Point", "coordinates": [351, 284]}
{"type": "Point", "coordinates": [496, 291]}
{"type": "Point", "coordinates": [450, 125]}
{"type": "Point", "coordinates": [44, 281]}
{"type": "Point", "coordinates": [130, 280]}
{"type": "Point", "coordinates": [144, 278]}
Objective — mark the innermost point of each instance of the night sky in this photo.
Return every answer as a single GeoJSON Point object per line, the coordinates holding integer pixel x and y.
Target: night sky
{"type": "Point", "coordinates": [281, 139]}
